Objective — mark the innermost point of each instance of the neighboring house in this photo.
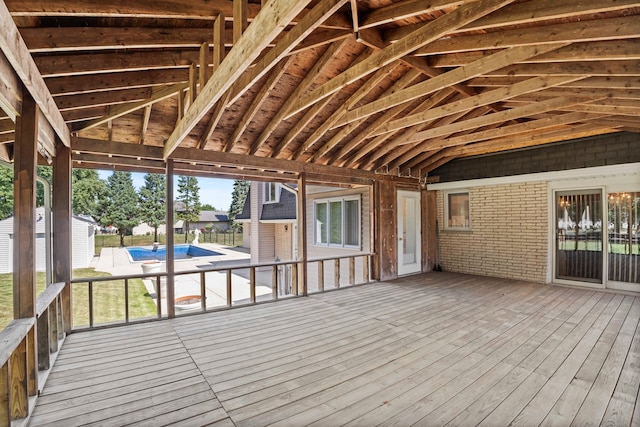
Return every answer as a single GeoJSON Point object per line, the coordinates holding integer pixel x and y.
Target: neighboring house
{"type": "Point", "coordinates": [145, 229]}
{"type": "Point", "coordinates": [336, 223]}
{"type": "Point", "coordinates": [219, 219]}
{"type": "Point", "coordinates": [83, 242]}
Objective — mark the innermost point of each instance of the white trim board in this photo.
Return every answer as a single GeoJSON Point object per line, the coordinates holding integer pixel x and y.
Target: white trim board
{"type": "Point", "coordinates": [595, 172]}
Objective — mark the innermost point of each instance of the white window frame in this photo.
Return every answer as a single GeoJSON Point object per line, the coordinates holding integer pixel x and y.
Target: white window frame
{"type": "Point", "coordinates": [447, 207]}
{"type": "Point", "coordinates": [342, 200]}
{"type": "Point", "coordinates": [266, 192]}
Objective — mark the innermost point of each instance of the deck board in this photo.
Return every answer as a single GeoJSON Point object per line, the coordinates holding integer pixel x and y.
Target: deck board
{"type": "Point", "coordinates": [433, 349]}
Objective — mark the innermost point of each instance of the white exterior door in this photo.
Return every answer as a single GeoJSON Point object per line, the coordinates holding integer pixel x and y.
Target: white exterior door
{"type": "Point", "coordinates": [409, 242]}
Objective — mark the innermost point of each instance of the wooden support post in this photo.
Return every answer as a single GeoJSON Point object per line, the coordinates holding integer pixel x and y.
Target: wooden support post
{"type": "Point", "coordinates": [302, 234]}
{"type": "Point", "coordinates": [193, 85]}
{"type": "Point", "coordinates": [171, 294]}
{"type": "Point", "coordinates": [43, 340]}
{"type": "Point", "coordinates": [158, 296]}
{"type": "Point", "coordinates": [336, 273]}
{"type": "Point", "coordinates": [61, 211]}
{"type": "Point", "coordinates": [203, 71]}
{"type": "Point", "coordinates": [321, 276]}
{"type": "Point", "coordinates": [5, 415]}
{"type": "Point", "coordinates": [229, 283]}
{"type": "Point", "coordinates": [90, 291]}
{"type": "Point", "coordinates": [19, 402]}
{"type": "Point", "coordinates": [24, 221]}
{"type": "Point", "coordinates": [352, 271]}
{"type": "Point", "coordinates": [252, 283]}
{"type": "Point", "coordinates": [274, 282]}
{"type": "Point", "coordinates": [32, 361]}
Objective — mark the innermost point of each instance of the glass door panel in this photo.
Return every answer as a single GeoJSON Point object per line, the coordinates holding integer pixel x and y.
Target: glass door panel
{"type": "Point", "coordinates": [624, 237]}
{"type": "Point", "coordinates": [579, 241]}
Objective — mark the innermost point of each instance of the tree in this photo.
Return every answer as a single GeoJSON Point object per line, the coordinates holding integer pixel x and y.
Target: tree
{"type": "Point", "coordinates": [153, 208]}
{"type": "Point", "coordinates": [207, 207]}
{"type": "Point", "coordinates": [121, 208]}
{"type": "Point", "coordinates": [6, 192]}
{"type": "Point", "coordinates": [238, 197]}
{"type": "Point", "coordinates": [88, 191]}
{"type": "Point", "coordinates": [190, 201]}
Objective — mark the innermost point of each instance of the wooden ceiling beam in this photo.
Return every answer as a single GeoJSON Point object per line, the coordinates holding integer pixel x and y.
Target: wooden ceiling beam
{"type": "Point", "coordinates": [422, 36]}
{"type": "Point", "coordinates": [318, 68]}
{"type": "Point", "coordinates": [356, 97]}
{"type": "Point", "coordinates": [10, 93]}
{"type": "Point", "coordinates": [490, 63]}
{"type": "Point", "coordinates": [613, 82]}
{"type": "Point", "coordinates": [584, 31]}
{"type": "Point", "coordinates": [609, 50]}
{"type": "Point", "coordinates": [17, 55]}
{"type": "Point", "coordinates": [74, 85]}
{"type": "Point", "coordinates": [629, 68]}
{"type": "Point", "coordinates": [257, 101]}
{"type": "Point", "coordinates": [271, 20]}
{"type": "Point", "coordinates": [531, 85]}
{"type": "Point", "coordinates": [121, 110]}
{"type": "Point", "coordinates": [94, 99]}
{"type": "Point", "coordinates": [404, 10]}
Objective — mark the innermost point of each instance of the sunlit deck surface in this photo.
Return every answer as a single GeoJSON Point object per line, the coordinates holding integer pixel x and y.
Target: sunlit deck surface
{"type": "Point", "coordinates": [433, 349]}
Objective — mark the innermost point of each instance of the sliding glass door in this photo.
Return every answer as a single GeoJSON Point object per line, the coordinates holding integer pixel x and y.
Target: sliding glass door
{"type": "Point", "coordinates": [623, 215]}
{"type": "Point", "coordinates": [579, 235]}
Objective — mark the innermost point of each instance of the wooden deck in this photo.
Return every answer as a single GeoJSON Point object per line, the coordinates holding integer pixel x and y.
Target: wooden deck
{"type": "Point", "coordinates": [435, 349]}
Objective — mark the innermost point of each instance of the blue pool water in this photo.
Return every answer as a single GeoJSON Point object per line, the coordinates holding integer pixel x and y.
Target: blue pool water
{"type": "Point", "coordinates": [179, 251]}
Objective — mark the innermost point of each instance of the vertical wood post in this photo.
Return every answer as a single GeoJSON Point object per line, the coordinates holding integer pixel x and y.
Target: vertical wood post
{"type": "Point", "coordinates": [171, 294]}
{"type": "Point", "coordinates": [252, 284]}
{"type": "Point", "coordinates": [321, 276]}
{"type": "Point", "coordinates": [62, 228]}
{"type": "Point", "coordinates": [5, 415]}
{"type": "Point", "coordinates": [302, 235]}
{"type": "Point", "coordinates": [352, 271]}
{"type": "Point", "coordinates": [24, 245]}
{"type": "Point", "coordinates": [336, 273]}
{"type": "Point", "coordinates": [274, 282]}
{"type": "Point", "coordinates": [240, 22]}
{"type": "Point", "coordinates": [19, 402]}
{"type": "Point", "coordinates": [203, 291]}
{"type": "Point", "coordinates": [24, 220]}
{"type": "Point", "coordinates": [43, 340]}
{"type": "Point", "coordinates": [229, 283]}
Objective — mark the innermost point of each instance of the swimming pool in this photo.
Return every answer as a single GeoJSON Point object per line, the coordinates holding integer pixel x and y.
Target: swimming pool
{"type": "Point", "coordinates": [179, 252]}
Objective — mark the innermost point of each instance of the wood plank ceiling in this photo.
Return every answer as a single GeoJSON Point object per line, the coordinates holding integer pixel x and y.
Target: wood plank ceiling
{"type": "Point", "coordinates": [398, 87]}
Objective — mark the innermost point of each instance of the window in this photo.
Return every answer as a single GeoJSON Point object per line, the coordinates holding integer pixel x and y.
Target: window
{"type": "Point", "coordinates": [457, 210]}
{"type": "Point", "coordinates": [271, 192]}
{"type": "Point", "coordinates": [337, 222]}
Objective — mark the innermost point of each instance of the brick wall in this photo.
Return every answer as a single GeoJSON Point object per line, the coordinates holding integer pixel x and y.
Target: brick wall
{"type": "Point", "coordinates": [508, 236]}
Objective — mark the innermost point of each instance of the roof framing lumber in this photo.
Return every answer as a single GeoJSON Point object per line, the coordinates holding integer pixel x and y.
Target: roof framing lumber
{"type": "Point", "coordinates": [16, 52]}
{"type": "Point", "coordinates": [531, 85]}
{"type": "Point", "coordinates": [121, 110]}
{"type": "Point", "coordinates": [268, 24]}
{"type": "Point", "coordinates": [422, 36]}
{"type": "Point", "coordinates": [484, 65]}
{"type": "Point", "coordinates": [405, 9]}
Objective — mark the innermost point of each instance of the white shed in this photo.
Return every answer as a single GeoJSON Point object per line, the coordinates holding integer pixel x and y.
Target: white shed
{"type": "Point", "coordinates": [83, 242]}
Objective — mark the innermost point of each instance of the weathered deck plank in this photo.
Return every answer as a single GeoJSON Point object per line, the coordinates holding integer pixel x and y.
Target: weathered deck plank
{"type": "Point", "coordinates": [435, 349]}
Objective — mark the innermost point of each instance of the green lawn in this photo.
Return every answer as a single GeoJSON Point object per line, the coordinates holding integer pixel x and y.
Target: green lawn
{"type": "Point", "coordinates": [108, 299]}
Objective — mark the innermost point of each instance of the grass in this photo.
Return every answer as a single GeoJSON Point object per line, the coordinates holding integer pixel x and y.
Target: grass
{"type": "Point", "coordinates": [108, 298]}
{"type": "Point", "coordinates": [113, 240]}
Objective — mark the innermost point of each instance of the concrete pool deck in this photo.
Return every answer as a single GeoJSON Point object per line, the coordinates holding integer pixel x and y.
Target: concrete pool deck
{"type": "Point", "coordinates": [116, 261]}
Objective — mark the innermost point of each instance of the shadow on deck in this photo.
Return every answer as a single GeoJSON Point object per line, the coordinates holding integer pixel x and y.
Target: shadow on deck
{"type": "Point", "coordinates": [431, 349]}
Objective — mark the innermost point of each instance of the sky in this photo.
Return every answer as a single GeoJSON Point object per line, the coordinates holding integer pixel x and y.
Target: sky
{"type": "Point", "coordinates": [213, 191]}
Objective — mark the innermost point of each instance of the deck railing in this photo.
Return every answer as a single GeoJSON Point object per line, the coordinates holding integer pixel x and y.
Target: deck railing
{"type": "Point", "coordinates": [22, 343]}
{"type": "Point", "coordinates": [218, 288]}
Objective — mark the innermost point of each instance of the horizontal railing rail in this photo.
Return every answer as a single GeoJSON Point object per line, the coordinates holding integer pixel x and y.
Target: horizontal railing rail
{"type": "Point", "coordinates": [276, 280]}
{"type": "Point", "coordinates": [27, 350]}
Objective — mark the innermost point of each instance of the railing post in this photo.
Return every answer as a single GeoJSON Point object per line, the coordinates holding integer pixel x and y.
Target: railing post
{"type": "Point", "coordinates": [126, 300]}
{"type": "Point", "coordinates": [252, 283]}
{"type": "Point", "coordinates": [5, 413]}
{"type": "Point", "coordinates": [159, 297]}
{"type": "Point", "coordinates": [336, 273]}
{"type": "Point", "coordinates": [274, 282]}
{"type": "Point", "coordinates": [365, 269]}
{"type": "Point", "coordinates": [352, 271]}
{"type": "Point", "coordinates": [321, 276]}
{"type": "Point", "coordinates": [19, 399]}
{"type": "Point", "coordinates": [294, 279]}
{"type": "Point", "coordinates": [229, 283]}
{"type": "Point", "coordinates": [203, 291]}
{"type": "Point", "coordinates": [53, 325]}
{"type": "Point", "coordinates": [43, 340]}
{"type": "Point", "coordinates": [90, 304]}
